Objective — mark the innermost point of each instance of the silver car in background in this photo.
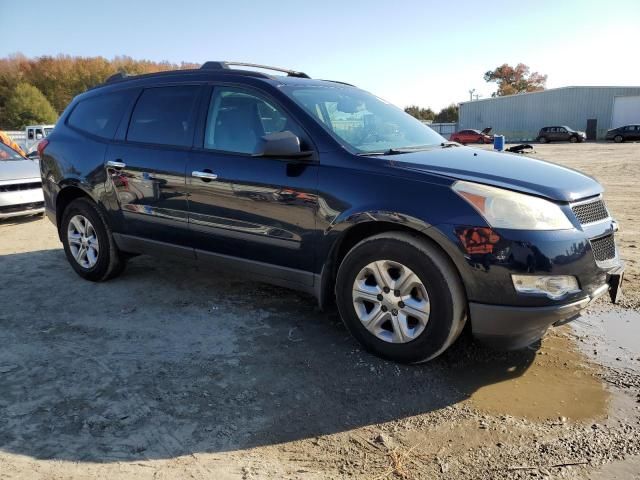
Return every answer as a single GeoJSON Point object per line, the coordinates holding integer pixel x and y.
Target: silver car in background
{"type": "Point", "coordinates": [20, 184]}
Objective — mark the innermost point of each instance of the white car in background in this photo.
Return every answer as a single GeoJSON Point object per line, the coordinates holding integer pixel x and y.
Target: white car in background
{"type": "Point", "coordinates": [20, 184]}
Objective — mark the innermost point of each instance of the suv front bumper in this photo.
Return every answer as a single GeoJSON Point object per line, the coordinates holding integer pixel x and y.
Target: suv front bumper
{"type": "Point", "coordinates": [510, 327]}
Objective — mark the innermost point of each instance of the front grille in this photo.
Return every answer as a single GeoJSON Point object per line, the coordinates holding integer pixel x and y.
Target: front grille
{"type": "Point", "coordinates": [24, 207]}
{"type": "Point", "coordinates": [604, 248]}
{"type": "Point", "coordinates": [16, 187]}
{"type": "Point", "coordinates": [590, 212]}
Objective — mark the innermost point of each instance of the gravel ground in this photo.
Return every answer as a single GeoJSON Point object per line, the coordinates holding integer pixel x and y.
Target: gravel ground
{"type": "Point", "coordinates": [174, 372]}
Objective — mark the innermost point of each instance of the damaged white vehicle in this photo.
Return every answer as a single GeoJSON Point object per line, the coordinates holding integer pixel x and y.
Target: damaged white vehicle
{"type": "Point", "coordinates": [20, 184]}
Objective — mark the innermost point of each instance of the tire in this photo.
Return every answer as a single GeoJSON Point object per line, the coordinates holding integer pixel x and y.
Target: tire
{"type": "Point", "coordinates": [543, 140]}
{"type": "Point", "coordinates": [618, 139]}
{"type": "Point", "coordinates": [434, 271]}
{"type": "Point", "coordinates": [108, 261]}
{"type": "Point", "coordinates": [573, 139]}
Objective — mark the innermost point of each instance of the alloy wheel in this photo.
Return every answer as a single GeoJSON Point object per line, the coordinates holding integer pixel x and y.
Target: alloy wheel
{"type": "Point", "coordinates": [83, 241]}
{"type": "Point", "coordinates": [391, 301]}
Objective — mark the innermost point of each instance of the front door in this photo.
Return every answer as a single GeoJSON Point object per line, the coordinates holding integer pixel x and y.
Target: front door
{"type": "Point", "coordinates": [256, 213]}
{"type": "Point", "coordinates": [147, 168]}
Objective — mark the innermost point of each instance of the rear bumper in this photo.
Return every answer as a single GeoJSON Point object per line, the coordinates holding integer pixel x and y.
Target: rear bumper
{"type": "Point", "coordinates": [516, 327]}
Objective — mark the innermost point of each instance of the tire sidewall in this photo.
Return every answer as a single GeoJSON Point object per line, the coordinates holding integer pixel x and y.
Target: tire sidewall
{"type": "Point", "coordinates": [86, 209]}
{"type": "Point", "coordinates": [441, 317]}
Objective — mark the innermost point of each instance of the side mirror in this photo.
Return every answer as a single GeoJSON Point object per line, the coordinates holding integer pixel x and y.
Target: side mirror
{"type": "Point", "coordinates": [280, 145]}
{"type": "Point", "coordinates": [39, 136]}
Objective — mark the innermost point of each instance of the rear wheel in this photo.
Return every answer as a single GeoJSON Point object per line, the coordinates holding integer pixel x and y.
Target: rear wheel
{"type": "Point", "coordinates": [618, 139]}
{"type": "Point", "coordinates": [543, 140]}
{"type": "Point", "coordinates": [400, 297]}
{"type": "Point", "coordinates": [88, 242]}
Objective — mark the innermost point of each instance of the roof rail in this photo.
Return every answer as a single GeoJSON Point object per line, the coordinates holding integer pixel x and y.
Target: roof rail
{"type": "Point", "coordinates": [115, 77]}
{"type": "Point", "coordinates": [338, 81]}
{"type": "Point", "coordinates": [225, 65]}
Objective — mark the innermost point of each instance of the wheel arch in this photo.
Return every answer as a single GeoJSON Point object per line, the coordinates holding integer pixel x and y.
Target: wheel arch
{"type": "Point", "coordinates": [65, 196]}
{"type": "Point", "coordinates": [357, 232]}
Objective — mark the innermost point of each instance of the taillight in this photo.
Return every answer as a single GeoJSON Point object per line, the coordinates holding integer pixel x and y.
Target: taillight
{"type": "Point", "coordinates": [41, 146]}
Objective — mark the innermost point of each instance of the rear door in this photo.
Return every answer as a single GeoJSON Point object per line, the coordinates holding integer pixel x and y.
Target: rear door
{"type": "Point", "coordinates": [255, 211]}
{"type": "Point", "coordinates": [146, 167]}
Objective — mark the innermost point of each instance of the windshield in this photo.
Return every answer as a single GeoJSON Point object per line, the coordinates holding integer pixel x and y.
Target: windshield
{"type": "Point", "coordinates": [365, 122]}
{"type": "Point", "coordinates": [7, 153]}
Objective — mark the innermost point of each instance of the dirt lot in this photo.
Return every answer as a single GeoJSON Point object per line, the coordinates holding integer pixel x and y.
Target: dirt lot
{"type": "Point", "coordinates": [173, 372]}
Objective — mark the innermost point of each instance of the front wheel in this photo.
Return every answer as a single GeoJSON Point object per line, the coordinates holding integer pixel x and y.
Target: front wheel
{"type": "Point", "coordinates": [573, 139]}
{"type": "Point", "coordinates": [618, 139]}
{"type": "Point", "coordinates": [543, 140]}
{"type": "Point", "coordinates": [401, 297]}
{"type": "Point", "coordinates": [88, 243]}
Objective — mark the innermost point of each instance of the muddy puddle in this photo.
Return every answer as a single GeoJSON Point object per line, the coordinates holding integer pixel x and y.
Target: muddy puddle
{"type": "Point", "coordinates": [548, 383]}
{"type": "Point", "coordinates": [612, 336]}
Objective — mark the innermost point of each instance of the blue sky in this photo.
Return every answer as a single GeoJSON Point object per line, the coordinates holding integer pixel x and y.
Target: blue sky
{"type": "Point", "coordinates": [409, 52]}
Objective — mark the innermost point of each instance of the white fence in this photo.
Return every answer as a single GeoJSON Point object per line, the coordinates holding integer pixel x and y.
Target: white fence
{"type": "Point", "coordinates": [444, 129]}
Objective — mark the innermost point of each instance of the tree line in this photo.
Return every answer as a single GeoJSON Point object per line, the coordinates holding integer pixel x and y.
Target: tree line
{"type": "Point", "coordinates": [36, 90]}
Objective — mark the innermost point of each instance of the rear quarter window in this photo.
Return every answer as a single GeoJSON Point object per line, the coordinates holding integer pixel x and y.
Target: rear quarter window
{"type": "Point", "coordinates": [100, 115]}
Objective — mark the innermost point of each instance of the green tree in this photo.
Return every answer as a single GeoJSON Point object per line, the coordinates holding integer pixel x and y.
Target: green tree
{"type": "Point", "coordinates": [447, 115]}
{"type": "Point", "coordinates": [512, 80]}
{"type": "Point", "coordinates": [27, 105]}
{"type": "Point", "coordinates": [420, 113]}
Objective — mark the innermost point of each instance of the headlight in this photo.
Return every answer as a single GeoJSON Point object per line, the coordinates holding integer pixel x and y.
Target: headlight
{"type": "Point", "coordinates": [506, 209]}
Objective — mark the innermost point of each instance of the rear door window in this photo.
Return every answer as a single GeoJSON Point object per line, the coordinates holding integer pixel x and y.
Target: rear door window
{"type": "Point", "coordinates": [165, 116]}
{"type": "Point", "coordinates": [100, 115]}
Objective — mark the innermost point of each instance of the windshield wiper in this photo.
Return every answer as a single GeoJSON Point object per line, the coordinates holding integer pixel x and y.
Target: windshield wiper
{"type": "Point", "coordinates": [449, 144]}
{"type": "Point", "coordinates": [396, 151]}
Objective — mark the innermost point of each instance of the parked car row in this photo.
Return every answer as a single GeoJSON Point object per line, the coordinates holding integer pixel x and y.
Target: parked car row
{"type": "Point", "coordinates": [558, 133]}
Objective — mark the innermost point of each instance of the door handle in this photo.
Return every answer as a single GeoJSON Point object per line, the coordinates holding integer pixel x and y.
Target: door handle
{"type": "Point", "coordinates": [204, 175]}
{"type": "Point", "coordinates": [116, 164]}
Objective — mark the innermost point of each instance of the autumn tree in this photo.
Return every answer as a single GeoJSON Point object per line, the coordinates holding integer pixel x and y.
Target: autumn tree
{"type": "Point", "coordinates": [518, 79]}
{"type": "Point", "coordinates": [447, 115]}
{"type": "Point", "coordinates": [420, 113]}
{"type": "Point", "coordinates": [27, 105]}
{"type": "Point", "coordinates": [63, 77]}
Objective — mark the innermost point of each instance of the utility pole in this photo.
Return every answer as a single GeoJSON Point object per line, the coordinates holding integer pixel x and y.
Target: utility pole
{"type": "Point", "coordinates": [471, 92]}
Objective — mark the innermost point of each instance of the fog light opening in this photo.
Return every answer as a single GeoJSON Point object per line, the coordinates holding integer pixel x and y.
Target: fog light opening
{"type": "Point", "coordinates": [552, 286]}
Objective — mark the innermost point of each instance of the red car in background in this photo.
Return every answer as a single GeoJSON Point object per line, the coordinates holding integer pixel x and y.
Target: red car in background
{"type": "Point", "coordinates": [472, 136]}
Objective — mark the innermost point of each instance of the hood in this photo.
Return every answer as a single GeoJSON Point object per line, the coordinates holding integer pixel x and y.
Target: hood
{"type": "Point", "coordinates": [19, 170]}
{"type": "Point", "coordinates": [514, 172]}
{"type": "Point", "coordinates": [487, 130]}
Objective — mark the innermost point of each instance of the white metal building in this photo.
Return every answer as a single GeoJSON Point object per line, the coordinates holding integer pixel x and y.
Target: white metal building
{"type": "Point", "coordinates": [593, 110]}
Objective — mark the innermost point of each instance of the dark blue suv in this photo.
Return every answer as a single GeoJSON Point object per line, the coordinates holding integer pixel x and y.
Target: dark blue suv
{"type": "Point", "coordinates": [319, 186]}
